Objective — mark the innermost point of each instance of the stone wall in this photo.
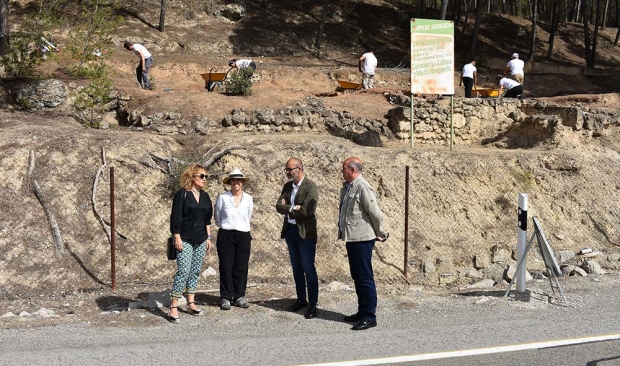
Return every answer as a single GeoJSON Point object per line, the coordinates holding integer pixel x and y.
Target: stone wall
{"type": "Point", "coordinates": [508, 122]}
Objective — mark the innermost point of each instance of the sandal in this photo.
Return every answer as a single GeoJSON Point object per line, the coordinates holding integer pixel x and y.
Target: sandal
{"type": "Point", "coordinates": [193, 311]}
{"type": "Point", "coordinates": [174, 319]}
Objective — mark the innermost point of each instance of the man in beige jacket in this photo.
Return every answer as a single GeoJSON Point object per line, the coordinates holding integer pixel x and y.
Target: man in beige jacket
{"type": "Point", "coordinates": [360, 225]}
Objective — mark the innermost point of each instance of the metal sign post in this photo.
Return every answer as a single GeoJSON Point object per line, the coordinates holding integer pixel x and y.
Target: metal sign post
{"type": "Point", "coordinates": [521, 241]}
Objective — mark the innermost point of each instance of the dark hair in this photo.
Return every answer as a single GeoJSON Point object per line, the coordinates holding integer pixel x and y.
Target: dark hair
{"type": "Point", "coordinates": [232, 62]}
{"type": "Point", "coordinates": [127, 45]}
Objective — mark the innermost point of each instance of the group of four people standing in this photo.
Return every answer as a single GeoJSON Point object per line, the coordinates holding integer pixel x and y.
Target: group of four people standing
{"type": "Point", "coordinates": [359, 225]}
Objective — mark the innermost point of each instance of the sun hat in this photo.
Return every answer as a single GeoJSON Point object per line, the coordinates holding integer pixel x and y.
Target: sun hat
{"type": "Point", "coordinates": [515, 55]}
{"type": "Point", "coordinates": [235, 174]}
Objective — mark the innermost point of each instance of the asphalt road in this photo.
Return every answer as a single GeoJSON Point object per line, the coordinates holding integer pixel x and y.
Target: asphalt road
{"type": "Point", "coordinates": [409, 324]}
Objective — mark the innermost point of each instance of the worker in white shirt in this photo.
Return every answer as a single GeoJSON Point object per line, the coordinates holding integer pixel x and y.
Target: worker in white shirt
{"type": "Point", "coordinates": [469, 78]}
{"type": "Point", "coordinates": [514, 68]}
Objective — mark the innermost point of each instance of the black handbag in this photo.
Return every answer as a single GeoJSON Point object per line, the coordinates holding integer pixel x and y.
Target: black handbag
{"type": "Point", "coordinates": [171, 251]}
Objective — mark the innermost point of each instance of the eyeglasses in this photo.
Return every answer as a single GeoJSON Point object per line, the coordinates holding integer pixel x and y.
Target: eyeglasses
{"type": "Point", "coordinates": [290, 169]}
{"type": "Point", "coordinates": [201, 176]}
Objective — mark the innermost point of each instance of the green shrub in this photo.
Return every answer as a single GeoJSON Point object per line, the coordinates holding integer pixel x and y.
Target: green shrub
{"type": "Point", "coordinates": [92, 100]}
{"type": "Point", "coordinates": [240, 82]}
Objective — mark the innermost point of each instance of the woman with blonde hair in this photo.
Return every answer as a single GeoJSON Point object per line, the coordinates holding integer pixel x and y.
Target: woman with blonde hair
{"type": "Point", "coordinates": [190, 225]}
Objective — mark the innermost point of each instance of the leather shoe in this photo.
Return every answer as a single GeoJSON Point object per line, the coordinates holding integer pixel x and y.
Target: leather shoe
{"type": "Point", "coordinates": [365, 324]}
{"type": "Point", "coordinates": [353, 318]}
{"type": "Point", "coordinates": [310, 313]}
{"type": "Point", "coordinates": [298, 305]}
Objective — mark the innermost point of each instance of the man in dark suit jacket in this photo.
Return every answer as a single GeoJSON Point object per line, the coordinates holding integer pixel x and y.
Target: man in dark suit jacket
{"type": "Point", "coordinates": [297, 203]}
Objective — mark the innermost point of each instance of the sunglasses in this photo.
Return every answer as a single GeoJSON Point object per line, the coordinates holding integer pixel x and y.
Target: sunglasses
{"type": "Point", "coordinates": [201, 176]}
{"type": "Point", "coordinates": [290, 169]}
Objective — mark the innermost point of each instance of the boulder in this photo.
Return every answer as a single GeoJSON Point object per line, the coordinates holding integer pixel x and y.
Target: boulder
{"type": "Point", "coordinates": [43, 94]}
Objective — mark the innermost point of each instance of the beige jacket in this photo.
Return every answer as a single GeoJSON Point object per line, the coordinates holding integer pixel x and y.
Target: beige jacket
{"type": "Point", "coordinates": [360, 216]}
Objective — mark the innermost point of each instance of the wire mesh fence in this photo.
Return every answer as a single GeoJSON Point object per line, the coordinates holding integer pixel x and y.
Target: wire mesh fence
{"type": "Point", "coordinates": [462, 220]}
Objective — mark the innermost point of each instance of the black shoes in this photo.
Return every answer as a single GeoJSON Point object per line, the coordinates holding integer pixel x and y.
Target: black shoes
{"type": "Point", "coordinates": [310, 313]}
{"type": "Point", "coordinates": [353, 318]}
{"type": "Point", "coordinates": [365, 324]}
{"type": "Point", "coordinates": [298, 305]}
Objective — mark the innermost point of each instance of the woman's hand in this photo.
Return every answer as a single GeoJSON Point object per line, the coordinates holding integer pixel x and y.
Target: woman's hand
{"type": "Point", "coordinates": [208, 244]}
{"type": "Point", "coordinates": [178, 244]}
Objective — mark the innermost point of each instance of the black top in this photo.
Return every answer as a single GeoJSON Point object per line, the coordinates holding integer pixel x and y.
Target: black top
{"type": "Point", "coordinates": [189, 217]}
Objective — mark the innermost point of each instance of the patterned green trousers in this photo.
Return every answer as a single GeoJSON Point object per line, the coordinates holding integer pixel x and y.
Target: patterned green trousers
{"type": "Point", "coordinates": [189, 262]}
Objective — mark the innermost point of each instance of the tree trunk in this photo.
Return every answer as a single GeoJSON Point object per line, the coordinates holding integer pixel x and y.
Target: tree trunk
{"type": "Point", "coordinates": [605, 14]}
{"type": "Point", "coordinates": [530, 57]}
{"type": "Point", "coordinates": [4, 26]}
{"type": "Point", "coordinates": [444, 9]}
{"type": "Point", "coordinates": [479, 12]}
{"type": "Point", "coordinates": [597, 24]}
{"type": "Point", "coordinates": [420, 8]}
{"type": "Point", "coordinates": [162, 16]}
{"type": "Point", "coordinates": [586, 32]}
{"type": "Point", "coordinates": [319, 36]}
{"type": "Point", "coordinates": [555, 15]}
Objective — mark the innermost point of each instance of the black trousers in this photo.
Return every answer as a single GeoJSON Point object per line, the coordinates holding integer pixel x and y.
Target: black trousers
{"type": "Point", "coordinates": [233, 250]}
{"type": "Point", "coordinates": [468, 83]}
{"type": "Point", "coordinates": [514, 92]}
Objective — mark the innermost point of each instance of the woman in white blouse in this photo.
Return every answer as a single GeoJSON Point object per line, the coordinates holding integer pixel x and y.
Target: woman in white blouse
{"type": "Point", "coordinates": [233, 212]}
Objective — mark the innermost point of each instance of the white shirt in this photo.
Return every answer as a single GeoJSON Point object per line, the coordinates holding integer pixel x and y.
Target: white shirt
{"type": "Point", "coordinates": [243, 63]}
{"type": "Point", "coordinates": [508, 83]}
{"type": "Point", "coordinates": [293, 194]}
{"type": "Point", "coordinates": [231, 217]}
{"type": "Point", "coordinates": [140, 49]}
{"type": "Point", "coordinates": [516, 66]}
{"type": "Point", "coordinates": [369, 63]}
{"type": "Point", "coordinates": [469, 70]}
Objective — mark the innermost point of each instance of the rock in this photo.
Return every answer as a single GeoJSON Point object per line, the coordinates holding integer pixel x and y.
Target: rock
{"type": "Point", "coordinates": [495, 271]}
{"type": "Point", "coordinates": [8, 315]}
{"type": "Point", "coordinates": [45, 313]}
{"type": "Point", "coordinates": [232, 12]}
{"type": "Point", "coordinates": [337, 286]}
{"type": "Point", "coordinates": [567, 270]}
{"type": "Point", "coordinates": [500, 255]}
{"type": "Point", "coordinates": [202, 126]}
{"type": "Point", "coordinates": [481, 261]}
{"type": "Point", "coordinates": [580, 272]}
{"type": "Point", "coordinates": [564, 256]}
{"type": "Point", "coordinates": [210, 271]}
{"type": "Point", "coordinates": [510, 272]}
{"type": "Point", "coordinates": [429, 267]}
{"type": "Point", "coordinates": [368, 138]}
{"type": "Point", "coordinates": [24, 313]}
{"type": "Point", "coordinates": [49, 93]}
{"type": "Point", "coordinates": [472, 273]}
{"type": "Point", "coordinates": [593, 267]}
{"type": "Point", "coordinates": [482, 300]}
{"type": "Point", "coordinates": [487, 283]}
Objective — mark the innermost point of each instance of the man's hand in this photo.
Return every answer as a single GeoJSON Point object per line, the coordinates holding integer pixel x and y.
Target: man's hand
{"type": "Point", "coordinates": [383, 238]}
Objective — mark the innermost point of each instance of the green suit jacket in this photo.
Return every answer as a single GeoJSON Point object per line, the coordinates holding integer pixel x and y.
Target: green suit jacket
{"type": "Point", "coordinates": [307, 197]}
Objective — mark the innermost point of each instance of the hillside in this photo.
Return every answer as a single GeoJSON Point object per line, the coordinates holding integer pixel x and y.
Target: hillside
{"type": "Point", "coordinates": [462, 219]}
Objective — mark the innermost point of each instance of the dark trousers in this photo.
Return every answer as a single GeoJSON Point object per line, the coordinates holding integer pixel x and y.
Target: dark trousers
{"type": "Point", "coordinates": [302, 253]}
{"type": "Point", "coordinates": [468, 83]}
{"type": "Point", "coordinates": [360, 263]}
{"type": "Point", "coordinates": [143, 76]}
{"type": "Point", "coordinates": [514, 92]}
{"type": "Point", "coordinates": [233, 250]}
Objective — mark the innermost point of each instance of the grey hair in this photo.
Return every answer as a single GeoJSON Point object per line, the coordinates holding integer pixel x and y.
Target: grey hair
{"type": "Point", "coordinates": [355, 165]}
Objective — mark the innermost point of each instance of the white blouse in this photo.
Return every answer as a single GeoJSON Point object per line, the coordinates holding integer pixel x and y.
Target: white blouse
{"type": "Point", "coordinates": [229, 216]}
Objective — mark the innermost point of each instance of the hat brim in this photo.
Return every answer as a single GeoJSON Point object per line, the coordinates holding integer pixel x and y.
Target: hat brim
{"type": "Point", "coordinates": [226, 180]}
